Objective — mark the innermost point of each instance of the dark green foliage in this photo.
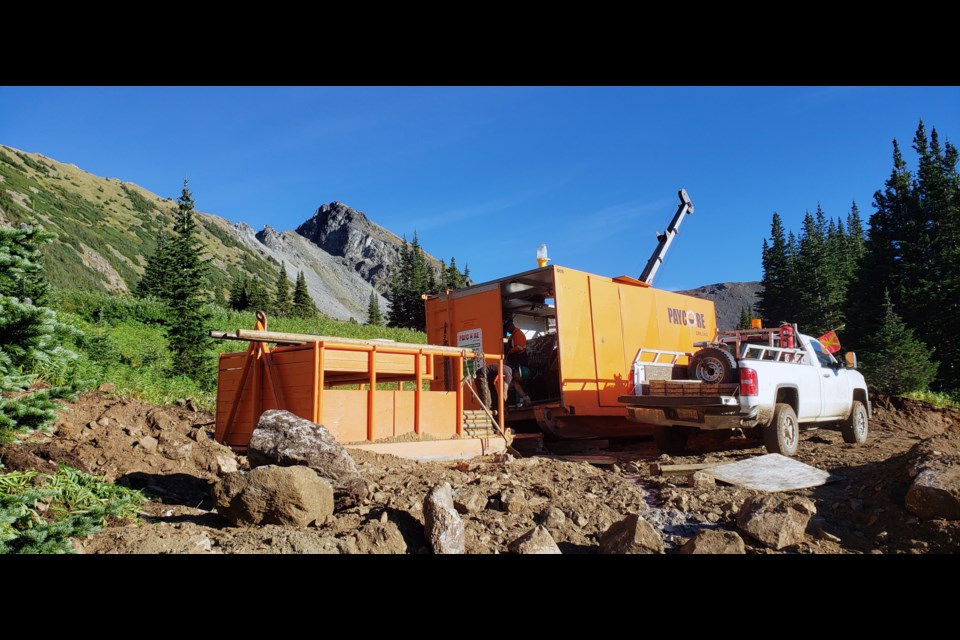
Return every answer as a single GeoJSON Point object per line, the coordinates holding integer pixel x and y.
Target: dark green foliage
{"type": "Point", "coordinates": [39, 513]}
{"type": "Point", "coordinates": [30, 335]}
{"type": "Point", "coordinates": [374, 317]}
{"type": "Point", "coordinates": [33, 164]}
{"type": "Point", "coordinates": [413, 278]}
{"type": "Point", "coordinates": [911, 249]}
{"type": "Point", "coordinates": [892, 360]}
{"type": "Point", "coordinates": [137, 201]}
{"type": "Point", "coordinates": [807, 279]}
{"type": "Point", "coordinates": [188, 331]}
{"type": "Point", "coordinates": [745, 316]}
{"type": "Point", "coordinates": [159, 273]}
{"type": "Point", "coordinates": [282, 302]}
{"type": "Point", "coordinates": [258, 298]}
{"type": "Point", "coordinates": [239, 301]}
{"type": "Point", "coordinates": [303, 305]}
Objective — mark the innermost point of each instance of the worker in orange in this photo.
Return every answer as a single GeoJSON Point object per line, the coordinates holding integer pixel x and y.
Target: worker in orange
{"type": "Point", "coordinates": [516, 345]}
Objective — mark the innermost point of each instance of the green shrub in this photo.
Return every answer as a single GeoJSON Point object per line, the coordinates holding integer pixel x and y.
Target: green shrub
{"type": "Point", "coordinates": [39, 513]}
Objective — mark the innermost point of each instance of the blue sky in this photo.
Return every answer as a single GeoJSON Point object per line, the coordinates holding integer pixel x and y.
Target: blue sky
{"type": "Point", "coordinates": [487, 173]}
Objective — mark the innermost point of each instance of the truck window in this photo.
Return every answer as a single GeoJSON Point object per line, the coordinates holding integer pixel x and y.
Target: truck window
{"type": "Point", "coordinates": [825, 358]}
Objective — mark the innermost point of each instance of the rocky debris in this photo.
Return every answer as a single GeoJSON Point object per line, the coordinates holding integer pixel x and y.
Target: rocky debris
{"type": "Point", "coordinates": [633, 534]}
{"type": "Point", "coordinates": [380, 537]}
{"type": "Point", "coordinates": [442, 524]}
{"type": "Point", "coordinates": [469, 500]}
{"type": "Point", "coordinates": [776, 521]}
{"type": "Point", "coordinates": [281, 438]}
{"type": "Point", "coordinates": [714, 541]}
{"type": "Point", "coordinates": [701, 480]}
{"type": "Point", "coordinates": [226, 464]}
{"type": "Point", "coordinates": [536, 541]}
{"type": "Point", "coordinates": [935, 491]}
{"type": "Point", "coordinates": [294, 496]}
{"type": "Point", "coordinates": [513, 500]}
{"type": "Point", "coordinates": [552, 518]}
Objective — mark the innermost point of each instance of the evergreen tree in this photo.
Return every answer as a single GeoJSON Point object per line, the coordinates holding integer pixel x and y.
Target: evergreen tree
{"type": "Point", "coordinates": [777, 282]}
{"type": "Point", "coordinates": [238, 294]}
{"type": "Point", "coordinates": [158, 274]}
{"type": "Point", "coordinates": [187, 333]}
{"type": "Point", "coordinates": [258, 297]}
{"type": "Point", "coordinates": [282, 302]}
{"type": "Point", "coordinates": [374, 317]}
{"type": "Point", "coordinates": [745, 317]}
{"type": "Point", "coordinates": [30, 334]}
{"type": "Point", "coordinates": [303, 306]}
{"type": "Point", "coordinates": [893, 361]}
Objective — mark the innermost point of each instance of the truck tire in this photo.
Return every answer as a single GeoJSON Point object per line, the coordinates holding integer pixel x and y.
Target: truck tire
{"type": "Point", "coordinates": [856, 427]}
{"type": "Point", "coordinates": [713, 365]}
{"type": "Point", "coordinates": [782, 435]}
{"type": "Point", "coordinates": [671, 440]}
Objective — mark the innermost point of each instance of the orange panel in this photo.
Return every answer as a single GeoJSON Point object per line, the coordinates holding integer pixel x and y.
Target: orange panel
{"type": "Point", "coordinates": [345, 414]}
{"type": "Point", "coordinates": [613, 375]}
{"type": "Point", "coordinates": [402, 412]}
{"type": "Point", "coordinates": [439, 414]}
{"type": "Point", "coordinates": [578, 373]}
{"type": "Point", "coordinates": [383, 419]}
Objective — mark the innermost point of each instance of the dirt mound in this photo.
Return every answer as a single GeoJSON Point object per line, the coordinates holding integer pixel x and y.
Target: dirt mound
{"type": "Point", "coordinates": [170, 453]}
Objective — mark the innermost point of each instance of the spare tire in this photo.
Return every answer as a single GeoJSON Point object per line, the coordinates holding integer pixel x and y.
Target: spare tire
{"type": "Point", "coordinates": [713, 365]}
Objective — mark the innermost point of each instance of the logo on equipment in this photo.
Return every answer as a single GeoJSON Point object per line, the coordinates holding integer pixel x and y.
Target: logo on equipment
{"type": "Point", "coordinates": [691, 319]}
{"type": "Point", "coordinates": [686, 317]}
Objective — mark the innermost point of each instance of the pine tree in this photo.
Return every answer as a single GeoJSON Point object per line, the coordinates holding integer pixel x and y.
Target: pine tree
{"type": "Point", "coordinates": [303, 306]}
{"type": "Point", "coordinates": [374, 317]}
{"type": "Point", "coordinates": [745, 317]}
{"type": "Point", "coordinates": [258, 297]}
{"type": "Point", "coordinates": [157, 276]}
{"type": "Point", "coordinates": [775, 298]}
{"type": "Point", "coordinates": [187, 334]}
{"type": "Point", "coordinates": [282, 302]}
{"type": "Point", "coordinates": [238, 294]}
{"type": "Point", "coordinates": [892, 360]}
{"type": "Point", "coordinates": [30, 334]}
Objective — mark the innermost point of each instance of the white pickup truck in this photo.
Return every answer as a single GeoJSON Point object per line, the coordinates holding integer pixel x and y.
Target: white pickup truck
{"type": "Point", "coordinates": [746, 379]}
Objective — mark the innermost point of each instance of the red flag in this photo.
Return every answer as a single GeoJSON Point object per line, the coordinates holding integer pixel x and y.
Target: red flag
{"type": "Point", "coordinates": [830, 342]}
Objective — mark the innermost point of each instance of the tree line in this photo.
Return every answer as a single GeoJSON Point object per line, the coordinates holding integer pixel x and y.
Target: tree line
{"type": "Point", "coordinates": [895, 290]}
{"type": "Point", "coordinates": [412, 278]}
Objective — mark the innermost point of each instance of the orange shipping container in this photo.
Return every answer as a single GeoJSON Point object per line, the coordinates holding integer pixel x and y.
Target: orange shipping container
{"type": "Point", "coordinates": [584, 332]}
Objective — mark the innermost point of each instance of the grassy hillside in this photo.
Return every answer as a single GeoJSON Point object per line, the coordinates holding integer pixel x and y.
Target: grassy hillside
{"type": "Point", "coordinates": [107, 227]}
{"type": "Point", "coordinates": [124, 343]}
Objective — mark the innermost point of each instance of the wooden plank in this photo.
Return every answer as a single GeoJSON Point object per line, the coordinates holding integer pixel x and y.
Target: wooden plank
{"type": "Point", "coordinates": [658, 469]}
{"type": "Point", "coordinates": [597, 460]}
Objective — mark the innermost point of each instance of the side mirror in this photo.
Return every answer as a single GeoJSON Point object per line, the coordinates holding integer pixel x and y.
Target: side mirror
{"type": "Point", "coordinates": [851, 359]}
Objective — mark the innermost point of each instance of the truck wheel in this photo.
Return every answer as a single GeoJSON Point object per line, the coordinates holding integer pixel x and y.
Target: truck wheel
{"type": "Point", "coordinates": [671, 440]}
{"type": "Point", "coordinates": [713, 365]}
{"type": "Point", "coordinates": [782, 435]}
{"type": "Point", "coordinates": [855, 428]}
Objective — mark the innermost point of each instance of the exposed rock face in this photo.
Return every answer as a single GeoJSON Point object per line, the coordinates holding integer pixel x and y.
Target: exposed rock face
{"type": "Point", "coordinates": [442, 525]}
{"type": "Point", "coordinates": [536, 541]}
{"type": "Point", "coordinates": [368, 248]}
{"type": "Point", "coordinates": [711, 541]}
{"type": "Point", "coordinates": [775, 521]}
{"type": "Point", "coordinates": [284, 439]}
{"type": "Point", "coordinates": [293, 496]}
{"type": "Point", "coordinates": [728, 298]}
{"type": "Point", "coordinates": [633, 534]}
{"type": "Point", "coordinates": [336, 288]}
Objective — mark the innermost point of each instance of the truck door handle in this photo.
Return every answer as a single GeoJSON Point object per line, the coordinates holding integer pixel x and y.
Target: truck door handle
{"type": "Point", "coordinates": [826, 375]}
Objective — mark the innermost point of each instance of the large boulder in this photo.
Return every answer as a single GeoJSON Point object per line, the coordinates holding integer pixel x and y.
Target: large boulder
{"type": "Point", "coordinates": [633, 534]}
{"type": "Point", "coordinates": [283, 439]}
{"type": "Point", "coordinates": [935, 492]}
{"type": "Point", "coordinates": [380, 537]}
{"type": "Point", "coordinates": [292, 496]}
{"type": "Point", "coordinates": [442, 525]}
{"type": "Point", "coordinates": [775, 521]}
{"type": "Point", "coordinates": [715, 542]}
{"type": "Point", "coordinates": [536, 541]}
